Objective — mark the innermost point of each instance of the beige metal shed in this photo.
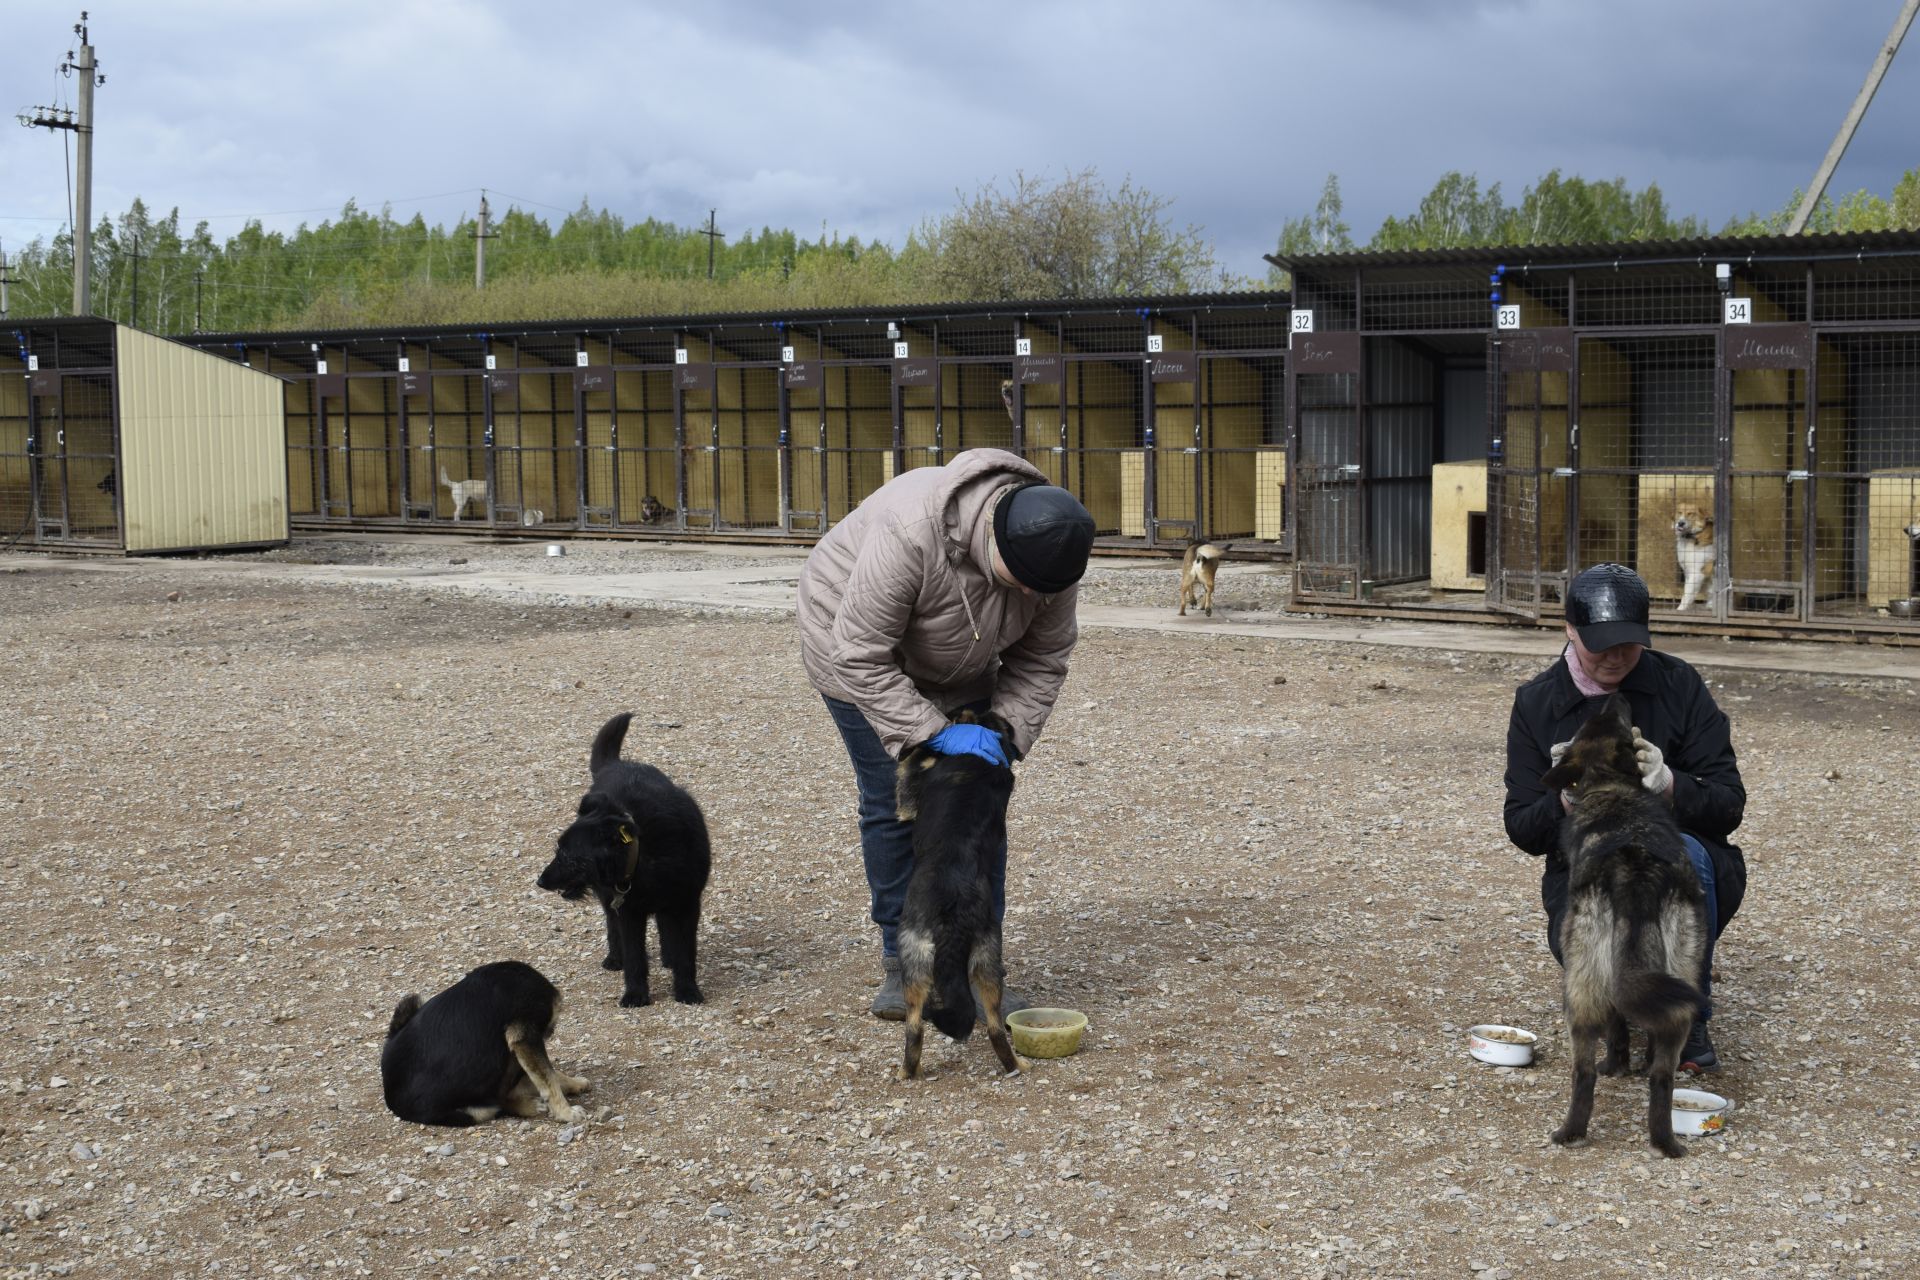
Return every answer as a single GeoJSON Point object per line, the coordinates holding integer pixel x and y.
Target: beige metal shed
{"type": "Point", "coordinates": [112, 439]}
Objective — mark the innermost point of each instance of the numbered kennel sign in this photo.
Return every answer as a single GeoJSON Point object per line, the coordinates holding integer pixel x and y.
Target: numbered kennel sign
{"type": "Point", "coordinates": [33, 364]}
{"type": "Point", "coordinates": [1156, 343]}
{"type": "Point", "coordinates": [406, 365]}
{"type": "Point", "coordinates": [786, 355]}
{"type": "Point", "coordinates": [493, 361]}
{"type": "Point", "coordinates": [1738, 310]}
{"type": "Point", "coordinates": [899, 351]}
{"type": "Point", "coordinates": [680, 355]}
{"type": "Point", "coordinates": [320, 367]}
{"type": "Point", "coordinates": [1302, 320]}
{"type": "Point", "coordinates": [579, 359]}
{"type": "Point", "coordinates": [1507, 315]}
{"type": "Point", "coordinates": [1023, 346]}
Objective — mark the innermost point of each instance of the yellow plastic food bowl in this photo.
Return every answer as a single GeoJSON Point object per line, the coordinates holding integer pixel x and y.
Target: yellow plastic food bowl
{"type": "Point", "coordinates": [1046, 1033]}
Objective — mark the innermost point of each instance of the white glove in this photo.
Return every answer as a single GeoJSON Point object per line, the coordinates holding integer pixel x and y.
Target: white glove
{"type": "Point", "coordinates": [1554, 754]}
{"type": "Point", "coordinates": [1654, 774]}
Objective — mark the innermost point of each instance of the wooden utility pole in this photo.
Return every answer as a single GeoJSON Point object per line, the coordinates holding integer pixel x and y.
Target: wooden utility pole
{"type": "Point", "coordinates": [5, 280]}
{"type": "Point", "coordinates": [713, 234]}
{"type": "Point", "coordinates": [82, 127]}
{"type": "Point", "coordinates": [1875, 74]}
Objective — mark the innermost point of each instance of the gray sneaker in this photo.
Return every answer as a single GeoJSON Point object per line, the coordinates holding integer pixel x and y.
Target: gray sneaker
{"type": "Point", "coordinates": [890, 1004]}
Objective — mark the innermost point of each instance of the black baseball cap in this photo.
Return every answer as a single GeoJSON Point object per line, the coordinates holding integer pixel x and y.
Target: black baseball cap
{"type": "Point", "coordinates": [1044, 536]}
{"type": "Point", "coordinates": [1607, 605]}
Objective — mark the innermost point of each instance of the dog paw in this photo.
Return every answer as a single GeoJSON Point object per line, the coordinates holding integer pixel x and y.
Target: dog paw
{"type": "Point", "coordinates": [1567, 1138]}
{"type": "Point", "coordinates": [575, 1084]}
{"type": "Point", "coordinates": [613, 963]}
{"type": "Point", "coordinates": [635, 1000]}
{"type": "Point", "coordinates": [1668, 1146]}
{"type": "Point", "coordinates": [1614, 1067]}
{"type": "Point", "coordinates": [690, 995]}
{"type": "Point", "coordinates": [566, 1114]}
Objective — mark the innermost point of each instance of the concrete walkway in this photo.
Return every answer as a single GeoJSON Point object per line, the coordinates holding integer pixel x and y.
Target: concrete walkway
{"type": "Point", "coordinates": [768, 587]}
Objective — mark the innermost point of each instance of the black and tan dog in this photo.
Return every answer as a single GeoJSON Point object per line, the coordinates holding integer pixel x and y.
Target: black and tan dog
{"type": "Point", "coordinates": [949, 939]}
{"type": "Point", "coordinates": [640, 843]}
{"type": "Point", "coordinates": [477, 1049]}
{"type": "Point", "coordinates": [1635, 928]}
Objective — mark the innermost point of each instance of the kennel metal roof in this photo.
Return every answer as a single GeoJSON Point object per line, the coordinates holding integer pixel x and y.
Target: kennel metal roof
{"type": "Point", "coordinates": [1840, 246]}
{"type": "Point", "coordinates": [1120, 308]}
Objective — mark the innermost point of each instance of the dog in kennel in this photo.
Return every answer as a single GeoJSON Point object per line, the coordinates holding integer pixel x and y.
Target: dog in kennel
{"type": "Point", "coordinates": [1693, 546]}
{"type": "Point", "coordinates": [476, 1050]}
{"type": "Point", "coordinates": [639, 842]}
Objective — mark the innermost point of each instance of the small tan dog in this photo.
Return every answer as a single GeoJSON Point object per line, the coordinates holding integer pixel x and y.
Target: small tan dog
{"type": "Point", "coordinates": [1693, 544]}
{"type": "Point", "coordinates": [1198, 569]}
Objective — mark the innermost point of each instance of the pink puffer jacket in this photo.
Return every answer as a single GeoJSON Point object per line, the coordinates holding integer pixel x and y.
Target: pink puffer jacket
{"type": "Point", "coordinates": [900, 613]}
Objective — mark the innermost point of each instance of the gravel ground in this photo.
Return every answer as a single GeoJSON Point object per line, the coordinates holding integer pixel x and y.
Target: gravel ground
{"type": "Point", "coordinates": [237, 826]}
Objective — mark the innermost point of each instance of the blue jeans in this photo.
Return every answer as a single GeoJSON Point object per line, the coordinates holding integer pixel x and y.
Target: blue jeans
{"type": "Point", "coordinates": [1703, 867]}
{"type": "Point", "coordinates": [886, 843]}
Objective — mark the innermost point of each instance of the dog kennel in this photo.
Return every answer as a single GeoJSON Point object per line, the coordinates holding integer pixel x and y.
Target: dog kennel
{"type": "Point", "coordinates": [1163, 415]}
{"type": "Point", "coordinates": [115, 440]}
{"type": "Point", "coordinates": [1563, 406]}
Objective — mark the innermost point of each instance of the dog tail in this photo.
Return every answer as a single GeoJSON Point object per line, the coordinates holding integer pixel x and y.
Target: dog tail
{"type": "Point", "coordinates": [952, 1009]}
{"type": "Point", "coordinates": [443, 476]}
{"type": "Point", "coordinates": [403, 1014]}
{"type": "Point", "coordinates": [1659, 999]}
{"type": "Point", "coordinates": [606, 743]}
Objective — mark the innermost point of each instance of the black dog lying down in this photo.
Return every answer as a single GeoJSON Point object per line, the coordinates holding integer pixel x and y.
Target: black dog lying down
{"type": "Point", "coordinates": [640, 843]}
{"type": "Point", "coordinates": [1636, 925]}
{"type": "Point", "coordinates": [949, 940]}
{"type": "Point", "coordinates": [476, 1049]}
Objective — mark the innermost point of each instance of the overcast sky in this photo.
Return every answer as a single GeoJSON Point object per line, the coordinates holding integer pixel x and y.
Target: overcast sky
{"type": "Point", "coordinates": [868, 117]}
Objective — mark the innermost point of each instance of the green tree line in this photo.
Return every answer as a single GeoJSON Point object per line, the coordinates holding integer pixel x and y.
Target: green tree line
{"type": "Point", "coordinates": [1458, 213]}
{"type": "Point", "coordinates": [1072, 237]}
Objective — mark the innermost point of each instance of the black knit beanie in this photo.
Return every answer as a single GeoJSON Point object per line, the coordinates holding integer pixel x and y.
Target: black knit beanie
{"type": "Point", "coordinates": [1044, 536]}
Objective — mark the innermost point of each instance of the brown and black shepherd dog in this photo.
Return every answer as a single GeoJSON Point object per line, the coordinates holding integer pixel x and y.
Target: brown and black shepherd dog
{"type": "Point", "coordinates": [1635, 927]}
{"type": "Point", "coordinates": [1198, 568]}
{"type": "Point", "coordinates": [949, 939]}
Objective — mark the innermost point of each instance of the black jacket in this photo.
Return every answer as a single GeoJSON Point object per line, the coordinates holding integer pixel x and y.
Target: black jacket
{"type": "Point", "coordinates": [1673, 711]}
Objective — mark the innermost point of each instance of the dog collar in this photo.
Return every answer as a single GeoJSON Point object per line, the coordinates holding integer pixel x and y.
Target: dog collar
{"type": "Point", "coordinates": [633, 862]}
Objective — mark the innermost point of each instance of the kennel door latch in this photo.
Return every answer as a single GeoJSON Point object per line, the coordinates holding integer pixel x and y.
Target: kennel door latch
{"type": "Point", "coordinates": [60, 438]}
{"type": "Point", "coordinates": [1793, 476]}
{"type": "Point", "coordinates": [1562, 472]}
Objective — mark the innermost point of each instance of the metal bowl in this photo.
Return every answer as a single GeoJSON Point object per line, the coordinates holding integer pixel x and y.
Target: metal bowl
{"type": "Point", "coordinates": [1907, 608]}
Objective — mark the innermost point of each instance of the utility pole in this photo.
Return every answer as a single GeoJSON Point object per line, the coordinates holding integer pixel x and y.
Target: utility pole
{"type": "Point", "coordinates": [1875, 74]}
{"type": "Point", "coordinates": [133, 318]}
{"type": "Point", "coordinates": [712, 234]}
{"type": "Point", "coordinates": [5, 280]}
{"type": "Point", "coordinates": [198, 276]}
{"type": "Point", "coordinates": [58, 118]}
{"type": "Point", "coordinates": [480, 237]}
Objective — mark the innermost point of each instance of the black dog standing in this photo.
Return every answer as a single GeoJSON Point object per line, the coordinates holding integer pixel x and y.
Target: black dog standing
{"type": "Point", "coordinates": [949, 939]}
{"type": "Point", "coordinates": [640, 843]}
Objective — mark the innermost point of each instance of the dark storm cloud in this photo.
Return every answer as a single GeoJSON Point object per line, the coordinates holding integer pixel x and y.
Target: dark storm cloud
{"type": "Point", "coordinates": [867, 118]}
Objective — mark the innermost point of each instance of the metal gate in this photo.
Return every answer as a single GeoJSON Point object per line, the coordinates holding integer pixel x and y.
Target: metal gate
{"type": "Point", "coordinates": [535, 453]}
{"type": "Point", "coordinates": [76, 498]}
{"type": "Point", "coordinates": [1324, 370]}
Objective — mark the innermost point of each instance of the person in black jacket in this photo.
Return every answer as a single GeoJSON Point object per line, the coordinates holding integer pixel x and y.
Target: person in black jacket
{"type": "Point", "coordinates": [1683, 743]}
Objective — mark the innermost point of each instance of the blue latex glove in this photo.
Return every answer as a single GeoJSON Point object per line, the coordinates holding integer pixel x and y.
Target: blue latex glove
{"type": "Point", "coordinates": [969, 740]}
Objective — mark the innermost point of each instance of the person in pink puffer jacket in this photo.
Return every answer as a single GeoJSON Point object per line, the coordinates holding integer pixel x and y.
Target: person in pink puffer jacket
{"type": "Point", "coordinates": [948, 587]}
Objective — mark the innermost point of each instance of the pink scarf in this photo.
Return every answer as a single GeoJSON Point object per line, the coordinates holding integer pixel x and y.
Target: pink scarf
{"type": "Point", "coordinates": [1586, 684]}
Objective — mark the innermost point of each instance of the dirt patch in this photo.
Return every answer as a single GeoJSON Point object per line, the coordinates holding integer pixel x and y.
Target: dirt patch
{"type": "Point", "coordinates": [236, 827]}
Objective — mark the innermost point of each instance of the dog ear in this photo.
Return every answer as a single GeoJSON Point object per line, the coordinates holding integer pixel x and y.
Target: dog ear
{"type": "Point", "coordinates": [908, 776]}
{"type": "Point", "coordinates": [1560, 777]}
